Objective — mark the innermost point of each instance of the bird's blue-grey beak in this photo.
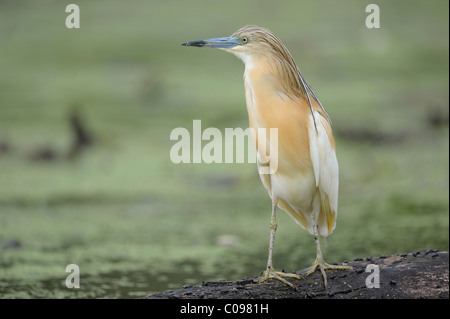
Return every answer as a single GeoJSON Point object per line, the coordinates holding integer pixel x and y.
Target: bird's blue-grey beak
{"type": "Point", "coordinates": [220, 43]}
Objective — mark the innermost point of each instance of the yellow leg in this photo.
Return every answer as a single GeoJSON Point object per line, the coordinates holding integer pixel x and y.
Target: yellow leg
{"type": "Point", "coordinates": [319, 262]}
{"type": "Point", "coordinates": [270, 272]}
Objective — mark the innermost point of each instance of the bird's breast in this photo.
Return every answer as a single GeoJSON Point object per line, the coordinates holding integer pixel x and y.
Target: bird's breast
{"type": "Point", "coordinates": [268, 107]}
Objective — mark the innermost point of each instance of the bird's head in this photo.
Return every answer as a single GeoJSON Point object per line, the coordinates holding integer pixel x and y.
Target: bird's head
{"type": "Point", "coordinates": [247, 41]}
{"type": "Point", "coordinates": [254, 44]}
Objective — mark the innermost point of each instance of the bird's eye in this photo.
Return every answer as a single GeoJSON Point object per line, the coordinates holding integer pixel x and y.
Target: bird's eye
{"type": "Point", "coordinates": [244, 40]}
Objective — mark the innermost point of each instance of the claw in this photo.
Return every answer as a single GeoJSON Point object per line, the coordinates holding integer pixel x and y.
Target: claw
{"type": "Point", "coordinates": [270, 273]}
{"type": "Point", "coordinates": [323, 266]}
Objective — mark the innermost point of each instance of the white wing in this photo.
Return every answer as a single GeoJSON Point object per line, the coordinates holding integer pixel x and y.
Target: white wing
{"type": "Point", "coordinates": [326, 172]}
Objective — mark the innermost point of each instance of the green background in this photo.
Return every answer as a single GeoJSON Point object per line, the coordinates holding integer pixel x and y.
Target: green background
{"type": "Point", "coordinates": [136, 223]}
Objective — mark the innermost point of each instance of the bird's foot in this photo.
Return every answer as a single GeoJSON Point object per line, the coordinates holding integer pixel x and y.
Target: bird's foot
{"type": "Point", "coordinates": [324, 266]}
{"type": "Point", "coordinates": [270, 273]}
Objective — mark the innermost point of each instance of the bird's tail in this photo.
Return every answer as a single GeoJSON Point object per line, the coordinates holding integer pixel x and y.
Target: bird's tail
{"type": "Point", "coordinates": [326, 221]}
{"type": "Point", "coordinates": [300, 218]}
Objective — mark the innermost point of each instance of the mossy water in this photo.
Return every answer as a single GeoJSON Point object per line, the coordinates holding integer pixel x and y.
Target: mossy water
{"type": "Point", "coordinates": [136, 223]}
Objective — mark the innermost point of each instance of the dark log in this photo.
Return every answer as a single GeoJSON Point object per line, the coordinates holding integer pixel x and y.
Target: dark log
{"type": "Point", "coordinates": [420, 274]}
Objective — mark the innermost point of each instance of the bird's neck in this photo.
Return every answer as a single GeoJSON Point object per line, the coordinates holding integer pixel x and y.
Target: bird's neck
{"type": "Point", "coordinates": [261, 74]}
{"type": "Point", "coordinates": [263, 91]}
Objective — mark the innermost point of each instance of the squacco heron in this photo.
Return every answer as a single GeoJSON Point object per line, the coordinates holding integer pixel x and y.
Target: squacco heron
{"type": "Point", "coordinates": [305, 184]}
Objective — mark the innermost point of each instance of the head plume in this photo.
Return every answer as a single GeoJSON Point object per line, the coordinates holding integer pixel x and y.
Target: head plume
{"type": "Point", "coordinates": [262, 41]}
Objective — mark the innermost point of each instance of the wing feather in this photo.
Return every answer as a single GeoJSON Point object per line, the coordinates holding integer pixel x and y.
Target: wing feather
{"type": "Point", "coordinates": [326, 172]}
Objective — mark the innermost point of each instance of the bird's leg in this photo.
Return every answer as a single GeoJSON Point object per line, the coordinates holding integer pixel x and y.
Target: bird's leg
{"type": "Point", "coordinates": [319, 262]}
{"type": "Point", "coordinates": [273, 229]}
{"type": "Point", "coordinates": [270, 271]}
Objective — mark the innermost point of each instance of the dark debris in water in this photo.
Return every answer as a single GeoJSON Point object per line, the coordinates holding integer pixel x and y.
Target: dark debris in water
{"type": "Point", "coordinates": [11, 244]}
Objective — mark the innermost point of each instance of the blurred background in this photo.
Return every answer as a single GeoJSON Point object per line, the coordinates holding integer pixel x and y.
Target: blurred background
{"type": "Point", "coordinates": [86, 115]}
